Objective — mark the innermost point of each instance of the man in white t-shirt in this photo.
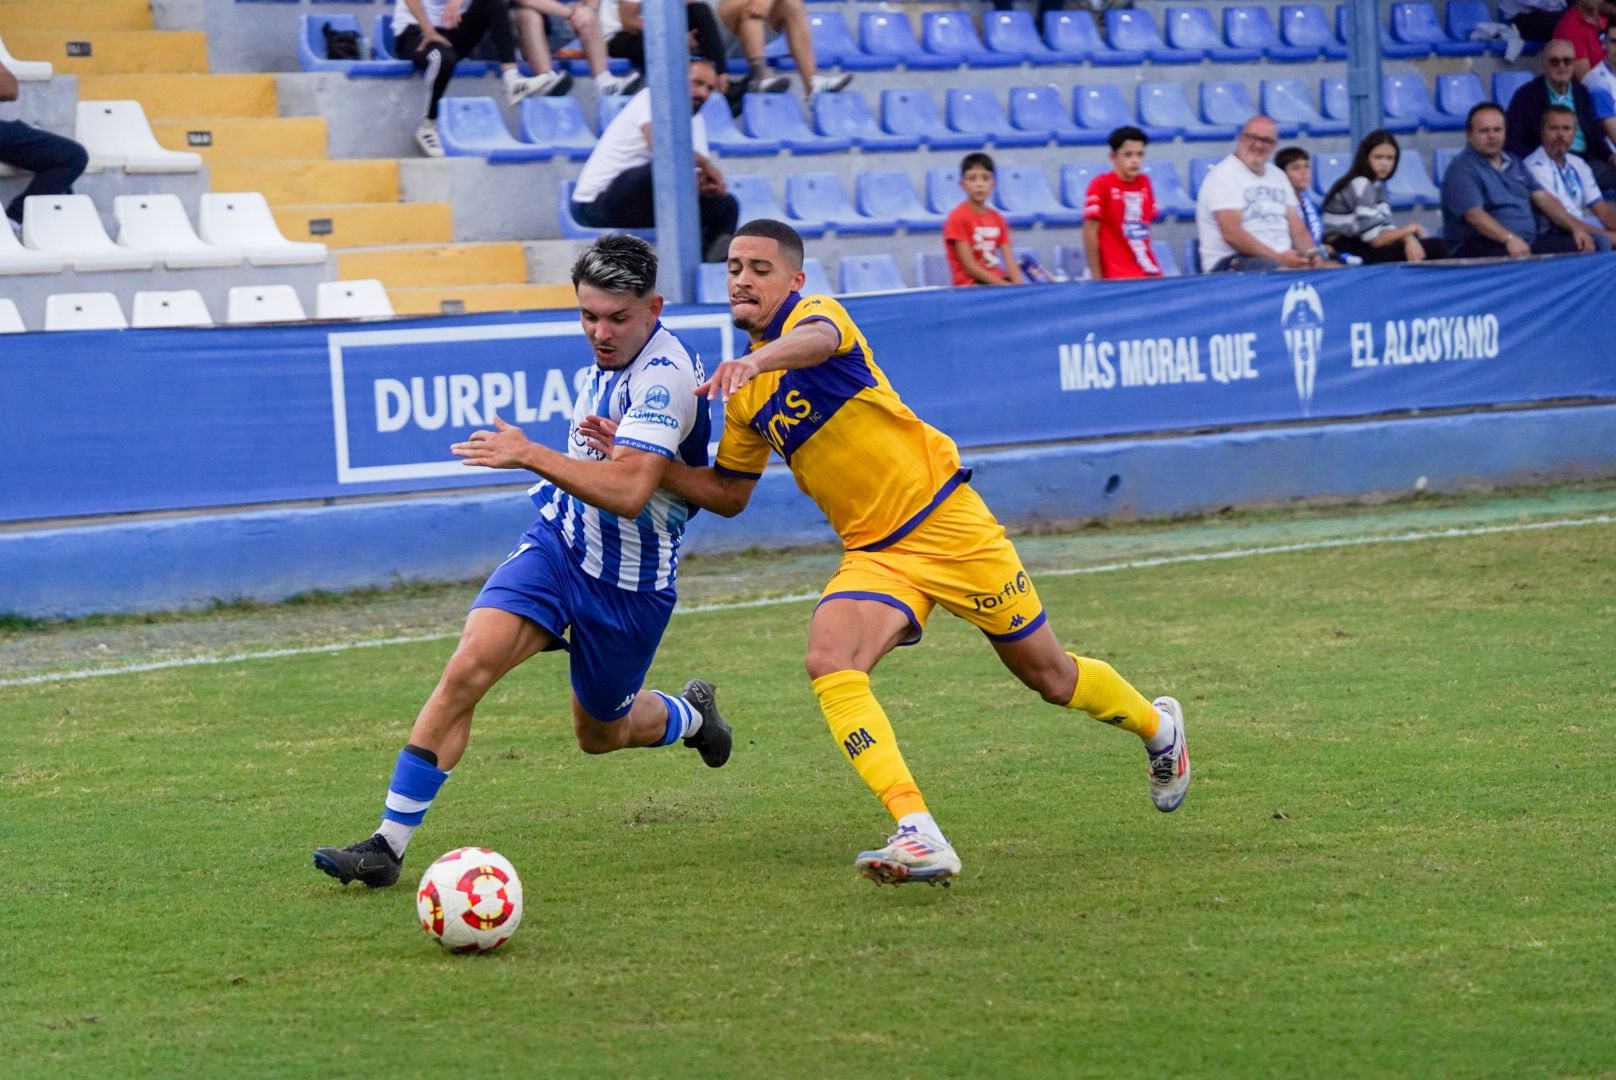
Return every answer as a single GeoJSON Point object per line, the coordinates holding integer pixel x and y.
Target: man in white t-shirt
{"type": "Point", "coordinates": [614, 191]}
{"type": "Point", "coordinates": [1568, 178]}
{"type": "Point", "coordinates": [1246, 214]}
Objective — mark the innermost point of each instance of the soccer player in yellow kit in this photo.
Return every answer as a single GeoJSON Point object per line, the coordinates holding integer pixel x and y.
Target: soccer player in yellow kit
{"type": "Point", "coordinates": [916, 535]}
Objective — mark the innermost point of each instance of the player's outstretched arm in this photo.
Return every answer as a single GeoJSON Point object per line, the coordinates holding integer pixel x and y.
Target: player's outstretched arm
{"type": "Point", "coordinates": [620, 485]}
{"type": "Point", "coordinates": [804, 345]}
{"type": "Point", "coordinates": [703, 487]}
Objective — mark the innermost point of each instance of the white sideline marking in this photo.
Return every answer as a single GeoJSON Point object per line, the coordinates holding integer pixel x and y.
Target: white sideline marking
{"type": "Point", "coordinates": [795, 598]}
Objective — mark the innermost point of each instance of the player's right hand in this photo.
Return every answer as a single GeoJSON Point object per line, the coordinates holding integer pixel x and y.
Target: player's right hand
{"type": "Point", "coordinates": [728, 377]}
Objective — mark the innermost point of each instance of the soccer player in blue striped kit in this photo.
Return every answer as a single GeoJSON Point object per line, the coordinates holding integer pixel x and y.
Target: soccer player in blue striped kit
{"type": "Point", "coordinates": [600, 560]}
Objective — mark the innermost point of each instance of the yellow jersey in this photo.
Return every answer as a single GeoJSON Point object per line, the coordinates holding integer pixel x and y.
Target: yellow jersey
{"type": "Point", "coordinates": [874, 468]}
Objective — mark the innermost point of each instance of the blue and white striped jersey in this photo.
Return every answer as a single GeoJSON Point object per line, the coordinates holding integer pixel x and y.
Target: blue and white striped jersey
{"type": "Point", "coordinates": [655, 405]}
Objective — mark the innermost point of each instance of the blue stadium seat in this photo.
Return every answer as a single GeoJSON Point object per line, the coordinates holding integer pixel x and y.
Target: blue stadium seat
{"type": "Point", "coordinates": [1074, 32]}
{"type": "Point", "coordinates": [887, 193]}
{"type": "Point", "coordinates": [1132, 28]}
{"type": "Point", "coordinates": [871, 273]}
{"type": "Point", "coordinates": [607, 106]}
{"type": "Point", "coordinates": [1164, 104]}
{"type": "Point", "coordinates": [1230, 103]}
{"type": "Point", "coordinates": [943, 190]}
{"type": "Point", "coordinates": [1415, 23]}
{"type": "Point", "coordinates": [578, 65]}
{"type": "Point", "coordinates": [977, 111]}
{"type": "Point", "coordinates": [815, 282]}
{"type": "Point", "coordinates": [847, 115]}
{"type": "Point", "coordinates": [835, 46]}
{"type": "Point", "coordinates": [779, 116]}
{"type": "Point", "coordinates": [1023, 191]}
{"type": "Point", "coordinates": [950, 33]}
{"type": "Point", "coordinates": [728, 140]}
{"type": "Point", "coordinates": [1068, 259]}
{"type": "Point", "coordinates": [554, 122]}
{"type": "Point", "coordinates": [1396, 50]}
{"type": "Point", "coordinates": [572, 230]}
{"type": "Point", "coordinates": [1251, 27]}
{"type": "Point", "coordinates": [1327, 169]}
{"type": "Point", "coordinates": [1457, 93]}
{"type": "Point", "coordinates": [1405, 99]}
{"type": "Point", "coordinates": [1440, 158]}
{"type": "Point", "coordinates": [1165, 258]}
{"type": "Point", "coordinates": [382, 48]}
{"type": "Point", "coordinates": [712, 283]}
{"type": "Point", "coordinates": [913, 112]}
{"type": "Point", "coordinates": [1333, 102]}
{"type": "Point", "coordinates": [758, 201]}
{"type": "Point", "coordinates": [1199, 167]}
{"type": "Point", "coordinates": [1192, 256]}
{"type": "Point", "coordinates": [1013, 33]}
{"type": "Point", "coordinates": [1287, 101]}
{"type": "Point", "coordinates": [1505, 83]}
{"type": "Point", "coordinates": [1411, 183]}
{"type": "Point", "coordinates": [1075, 179]}
{"type": "Point", "coordinates": [473, 127]}
{"type": "Point", "coordinates": [931, 270]}
{"type": "Point", "coordinates": [311, 50]}
{"type": "Point", "coordinates": [1043, 108]}
{"type": "Point", "coordinates": [1192, 28]}
{"type": "Point", "coordinates": [1102, 108]}
{"type": "Point", "coordinates": [1305, 26]}
{"type": "Point", "coordinates": [887, 34]}
{"type": "Point", "coordinates": [1172, 197]}
{"type": "Point", "coordinates": [819, 196]}
{"type": "Point", "coordinates": [1463, 16]}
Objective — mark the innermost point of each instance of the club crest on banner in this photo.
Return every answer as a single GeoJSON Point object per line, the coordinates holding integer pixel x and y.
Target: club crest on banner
{"type": "Point", "coordinates": [1302, 318]}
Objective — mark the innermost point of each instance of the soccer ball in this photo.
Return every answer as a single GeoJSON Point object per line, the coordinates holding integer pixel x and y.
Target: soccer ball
{"type": "Point", "coordinates": [470, 900]}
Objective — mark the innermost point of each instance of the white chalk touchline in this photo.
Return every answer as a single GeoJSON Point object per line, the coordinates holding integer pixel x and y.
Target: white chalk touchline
{"type": "Point", "coordinates": [796, 598]}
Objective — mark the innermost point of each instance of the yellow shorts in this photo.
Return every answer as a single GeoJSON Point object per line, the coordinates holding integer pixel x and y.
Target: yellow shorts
{"type": "Point", "coordinates": [958, 557]}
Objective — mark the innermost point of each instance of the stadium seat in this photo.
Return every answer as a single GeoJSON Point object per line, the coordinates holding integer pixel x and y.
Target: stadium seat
{"type": "Point", "coordinates": [1172, 197]}
{"type": "Point", "coordinates": [1287, 101]}
{"type": "Point", "coordinates": [365, 298]}
{"type": "Point", "coordinates": [1463, 16]}
{"type": "Point", "coordinates": [847, 115]}
{"type": "Point", "coordinates": [10, 317]}
{"type": "Point", "coordinates": [871, 273]}
{"type": "Point", "coordinates": [1013, 33]}
{"type": "Point", "coordinates": [943, 191]}
{"type": "Point", "coordinates": [573, 229]}
{"type": "Point", "coordinates": [1327, 169]}
{"type": "Point", "coordinates": [1505, 83]}
{"type": "Point", "coordinates": [913, 112]}
{"type": "Point", "coordinates": [84, 311]}
{"type": "Point", "coordinates": [1192, 28]}
{"type": "Point", "coordinates": [117, 136]}
{"type": "Point", "coordinates": [1334, 104]}
{"type": "Point", "coordinates": [243, 220]}
{"type": "Point", "coordinates": [70, 226]}
{"type": "Point", "coordinates": [1251, 27]}
{"type": "Point", "coordinates": [1102, 108]}
{"type": "Point", "coordinates": [158, 224]}
{"type": "Point", "coordinates": [554, 125]}
{"type": "Point", "coordinates": [1415, 23]}
{"type": "Point", "coordinates": [819, 196]}
{"type": "Point", "coordinates": [178, 307]}
{"type": "Point", "coordinates": [832, 34]}
{"type": "Point", "coordinates": [815, 281]}
{"type": "Point", "coordinates": [725, 139]}
{"type": "Point", "coordinates": [1024, 190]}
{"type": "Point", "coordinates": [607, 106]}
{"type": "Point", "coordinates": [1230, 103]}
{"type": "Point", "coordinates": [758, 201]}
{"type": "Point", "coordinates": [16, 259]}
{"type": "Point", "coordinates": [1411, 184]}
{"type": "Point", "coordinates": [1073, 33]}
{"type": "Point", "coordinates": [314, 55]}
{"type": "Point", "coordinates": [1165, 105]}
{"type": "Point", "coordinates": [932, 270]}
{"type": "Point", "coordinates": [779, 116]}
{"type": "Point", "coordinates": [382, 47]}
{"type": "Point", "coordinates": [578, 65]}
{"type": "Point", "coordinates": [1199, 167]}
{"type": "Point", "coordinates": [249, 304]}
{"type": "Point", "coordinates": [1405, 100]}
{"type": "Point", "coordinates": [1075, 179]}
{"type": "Point", "coordinates": [1132, 28]}
{"type": "Point", "coordinates": [1043, 108]}
{"type": "Point", "coordinates": [712, 283]}
{"type": "Point", "coordinates": [1457, 93]}
{"type": "Point", "coordinates": [474, 127]}
{"type": "Point", "coordinates": [1067, 259]}
{"type": "Point", "coordinates": [887, 34]}
{"type": "Point", "coordinates": [950, 33]}
{"type": "Point", "coordinates": [977, 110]}
{"type": "Point", "coordinates": [26, 70]}
{"type": "Point", "coordinates": [1305, 26]}
{"type": "Point", "coordinates": [887, 193]}
{"type": "Point", "coordinates": [1440, 157]}
{"type": "Point", "coordinates": [1395, 50]}
{"type": "Point", "coordinates": [1165, 258]}
{"type": "Point", "coordinates": [1192, 256]}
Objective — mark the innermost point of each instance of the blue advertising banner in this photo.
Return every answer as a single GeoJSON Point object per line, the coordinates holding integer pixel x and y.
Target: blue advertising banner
{"type": "Point", "coordinates": [121, 421]}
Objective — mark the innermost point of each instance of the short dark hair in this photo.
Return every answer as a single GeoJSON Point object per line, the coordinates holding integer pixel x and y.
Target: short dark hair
{"type": "Point", "coordinates": [1290, 156]}
{"type": "Point", "coordinates": [976, 159]}
{"type": "Point", "coordinates": [1478, 107]}
{"type": "Point", "coordinates": [1556, 110]}
{"type": "Point", "coordinates": [619, 263]}
{"type": "Point", "coordinates": [789, 239]}
{"type": "Point", "coordinates": [1126, 134]}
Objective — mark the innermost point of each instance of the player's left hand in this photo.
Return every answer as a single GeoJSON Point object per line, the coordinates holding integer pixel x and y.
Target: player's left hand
{"type": "Point", "coordinates": [503, 448]}
{"type": "Point", "coordinates": [728, 377]}
{"type": "Point", "coordinates": [598, 432]}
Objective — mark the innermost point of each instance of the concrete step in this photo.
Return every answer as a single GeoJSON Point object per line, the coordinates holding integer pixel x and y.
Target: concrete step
{"type": "Point", "coordinates": [184, 97]}
{"type": "Point", "coordinates": [459, 299]}
{"type": "Point", "coordinates": [433, 265]}
{"type": "Point", "coordinates": [16, 15]}
{"type": "Point", "coordinates": [284, 182]}
{"type": "Point", "coordinates": [241, 138]}
{"type": "Point", "coordinates": [367, 224]}
{"type": "Point", "coordinates": [113, 51]}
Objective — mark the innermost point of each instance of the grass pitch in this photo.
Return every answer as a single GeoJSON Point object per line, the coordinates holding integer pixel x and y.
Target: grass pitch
{"type": "Point", "coordinates": [1395, 859]}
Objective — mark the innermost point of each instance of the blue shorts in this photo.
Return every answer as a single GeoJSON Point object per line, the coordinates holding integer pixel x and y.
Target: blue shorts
{"type": "Point", "coordinates": [614, 632]}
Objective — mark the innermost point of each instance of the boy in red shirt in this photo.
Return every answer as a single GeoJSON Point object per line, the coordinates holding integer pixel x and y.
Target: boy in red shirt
{"type": "Point", "coordinates": [1118, 211]}
{"type": "Point", "coordinates": [976, 236]}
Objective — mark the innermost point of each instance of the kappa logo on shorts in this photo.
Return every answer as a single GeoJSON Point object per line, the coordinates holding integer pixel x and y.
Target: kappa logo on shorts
{"type": "Point", "coordinates": [626, 702]}
{"type": "Point", "coordinates": [1015, 623]}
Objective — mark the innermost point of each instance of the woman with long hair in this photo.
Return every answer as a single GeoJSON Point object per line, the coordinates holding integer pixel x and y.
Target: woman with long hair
{"type": "Point", "coordinates": [1357, 217]}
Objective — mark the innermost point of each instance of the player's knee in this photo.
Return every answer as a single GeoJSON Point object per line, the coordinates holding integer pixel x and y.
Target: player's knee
{"type": "Point", "coordinates": [596, 739]}
{"type": "Point", "coordinates": [822, 661]}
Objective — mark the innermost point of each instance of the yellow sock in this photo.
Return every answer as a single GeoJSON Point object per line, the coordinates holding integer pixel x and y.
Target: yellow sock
{"type": "Point", "coordinates": [861, 728]}
{"type": "Point", "coordinates": [1111, 699]}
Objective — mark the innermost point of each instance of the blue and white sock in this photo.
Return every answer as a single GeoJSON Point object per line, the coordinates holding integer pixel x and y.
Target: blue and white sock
{"type": "Point", "coordinates": [683, 719]}
{"type": "Point", "coordinates": [415, 783]}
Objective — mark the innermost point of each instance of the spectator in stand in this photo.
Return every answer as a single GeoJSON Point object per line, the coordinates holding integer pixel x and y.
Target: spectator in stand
{"type": "Point", "coordinates": [1246, 215]}
{"type": "Point", "coordinates": [750, 21]}
{"type": "Point", "coordinates": [622, 23]}
{"type": "Point", "coordinates": [1567, 177]}
{"type": "Point", "coordinates": [435, 34]}
{"type": "Point", "coordinates": [1488, 199]}
{"type": "Point", "coordinates": [1357, 217]}
{"type": "Point", "coordinates": [1601, 84]}
{"type": "Point", "coordinates": [1584, 27]}
{"type": "Point", "coordinates": [536, 20]}
{"type": "Point", "coordinates": [1524, 123]}
{"type": "Point", "coordinates": [976, 237]}
{"type": "Point", "coordinates": [614, 189]}
{"type": "Point", "coordinates": [54, 160]}
{"type": "Point", "coordinates": [1535, 19]}
{"type": "Point", "coordinates": [1297, 165]}
{"type": "Point", "coordinates": [1118, 210]}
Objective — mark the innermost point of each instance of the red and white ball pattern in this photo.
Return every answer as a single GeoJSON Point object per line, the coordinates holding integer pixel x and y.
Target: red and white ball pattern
{"type": "Point", "coordinates": [470, 900]}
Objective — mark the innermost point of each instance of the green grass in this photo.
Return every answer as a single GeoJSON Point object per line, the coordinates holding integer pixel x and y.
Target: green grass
{"type": "Point", "coordinates": [1395, 860]}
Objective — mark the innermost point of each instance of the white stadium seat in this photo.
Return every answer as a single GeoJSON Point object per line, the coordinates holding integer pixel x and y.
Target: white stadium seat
{"type": "Point", "coordinates": [264, 304]}
{"type": "Point", "coordinates": [84, 311]}
{"type": "Point", "coordinates": [365, 299]}
{"type": "Point", "coordinates": [181, 307]}
{"type": "Point", "coordinates": [26, 70]}
{"type": "Point", "coordinates": [117, 135]}
{"type": "Point", "coordinates": [243, 220]}
{"type": "Point", "coordinates": [68, 225]}
{"type": "Point", "coordinates": [10, 317]}
{"type": "Point", "coordinates": [158, 223]}
{"type": "Point", "coordinates": [16, 259]}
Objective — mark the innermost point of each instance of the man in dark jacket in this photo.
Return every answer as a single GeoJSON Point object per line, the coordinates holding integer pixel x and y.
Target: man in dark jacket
{"type": "Point", "coordinates": [1524, 120]}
